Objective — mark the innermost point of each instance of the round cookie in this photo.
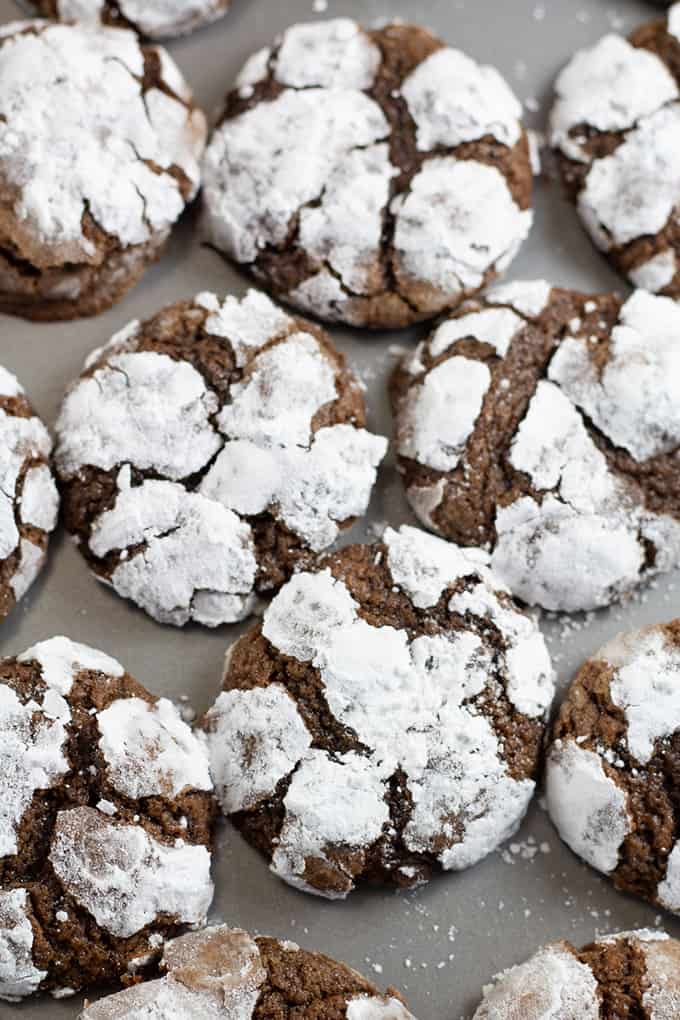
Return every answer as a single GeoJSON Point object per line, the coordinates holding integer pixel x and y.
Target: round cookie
{"type": "Point", "coordinates": [544, 426]}
{"type": "Point", "coordinates": [613, 765]}
{"type": "Point", "coordinates": [615, 128]}
{"type": "Point", "coordinates": [154, 19]}
{"type": "Point", "coordinates": [384, 721]}
{"type": "Point", "coordinates": [28, 496]}
{"type": "Point", "coordinates": [205, 453]}
{"type": "Point", "coordinates": [106, 817]}
{"type": "Point", "coordinates": [222, 973]}
{"type": "Point", "coordinates": [88, 197]}
{"type": "Point", "coordinates": [619, 976]}
{"type": "Point", "coordinates": [373, 178]}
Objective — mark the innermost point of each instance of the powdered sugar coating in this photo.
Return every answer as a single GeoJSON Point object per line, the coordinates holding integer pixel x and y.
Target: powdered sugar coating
{"type": "Point", "coordinates": [124, 877]}
{"type": "Point", "coordinates": [237, 421]}
{"type": "Point", "coordinates": [103, 145]}
{"type": "Point", "coordinates": [569, 530]}
{"type": "Point", "coordinates": [19, 977]}
{"type": "Point", "coordinates": [552, 985]}
{"type": "Point", "coordinates": [150, 751]}
{"type": "Point", "coordinates": [61, 659]}
{"type": "Point", "coordinates": [367, 1007]}
{"type": "Point", "coordinates": [452, 100]}
{"type": "Point", "coordinates": [464, 800]}
{"type": "Point", "coordinates": [588, 808]}
{"type": "Point", "coordinates": [362, 236]}
{"type": "Point", "coordinates": [28, 494]}
{"type": "Point", "coordinates": [662, 996]}
{"type": "Point", "coordinates": [155, 19]}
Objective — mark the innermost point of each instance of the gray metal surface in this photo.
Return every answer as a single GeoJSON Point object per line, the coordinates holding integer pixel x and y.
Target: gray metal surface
{"type": "Point", "coordinates": [441, 944]}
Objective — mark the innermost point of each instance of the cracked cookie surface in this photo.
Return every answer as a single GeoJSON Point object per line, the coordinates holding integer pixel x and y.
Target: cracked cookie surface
{"type": "Point", "coordinates": [384, 721]}
{"type": "Point", "coordinates": [106, 818]}
{"type": "Point", "coordinates": [207, 452]}
{"type": "Point", "coordinates": [89, 196]}
{"type": "Point", "coordinates": [154, 19]}
{"type": "Point", "coordinates": [28, 495]}
{"type": "Point", "coordinates": [542, 425]}
{"type": "Point", "coordinates": [613, 765]}
{"type": "Point", "coordinates": [631, 974]}
{"type": "Point", "coordinates": [374, 178]}
{"type": "Point", "coordinates": [222, 973]}
{"type": "Point", "coordinates": [615, 128]}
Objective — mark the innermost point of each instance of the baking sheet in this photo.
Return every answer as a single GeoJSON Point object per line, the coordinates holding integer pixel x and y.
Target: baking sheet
{"type": "Point", "coordinates": [442, 943]}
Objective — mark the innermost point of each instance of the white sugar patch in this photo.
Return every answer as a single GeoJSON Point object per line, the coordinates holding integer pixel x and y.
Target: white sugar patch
{"type": "Point", "coordinates": [254, 182]}
{"type": "Point", "coordinates": [333, 54]}
{"type": "Point", "coordinates": [31, 757]}
{"type": "Point", "coordinates": [646, 686]}
{"type": "Point", "coordinates": [587, 807]}
{"type": "Point", "coordinates": [528, 297]}
{"type": "Point", "coordinates": [21, 439]}
{"type": "Point", "coordinates": [438, 415]}
{"type": "Point", "coordinates": [248, 323]}
{"type": "Point", "coordinates": [126, 878]}
{"type": "Point", "coordinates": [9, 384]}
{"type": "Point", "coordinates": [494, 326]}
{"type": "Point", "coordinates": [19, 976]}
{"type": "Point", "coordinates": [635, 398]}
{"type": "Point", "coordinates": [372, 1007]}
{"type": "Point", "coordinates": [192, 546]}
{"type": "Point", "coordinates": [61, 660]}
{"type": "Point", "coordinates": [102, 144]}
{"type": "Point", "coordinates": [39, 499]}
{"type": "Point", "coordinates": [141, 407]}
{"type": "Point", "coordinates": [453, 99]}
{"type": "Point", "coordinates": [255, 738]}
{"type": "Point", "coordinates": [552, 985]}
{"type": "Point", "coordinates": [458, 223]}
{"type": "Point", "coordinates": [669, 890]}
{"type": "Point", "coordinates": [150, 751]}
{"type": "Point", "coordinates": [657, 273]}
{"type": "Point", "coordinates": [30, 564]}
{"type": "Point", "coordinates": [661, 997]}
{"type": "Point", "coordinates": [424, 566]}
{"type": "Point", "coordinates": [609, 88]}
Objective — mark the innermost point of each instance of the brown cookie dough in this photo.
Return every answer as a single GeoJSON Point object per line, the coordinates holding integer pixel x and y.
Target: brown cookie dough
{"type": "Point", "coordinates": [106, 818]}
{"type": "Point", "coordinates": [544, 426]}
{"type": "Point", "coordinates": [28, 494]}
{"type": "Point", "coordinates": [226, 973]}
{"type": "Point", "coordinates": [207, 452]}
{"type": "Point", "coordinates": [613, 766]}
{"type": "Point", "coordinates": [374, 178]}
{"type": "Point", "coordinates": [384, 721]}
{"type": "Point", "coordinates": [615, 128]}
{"type": "Point", "coordinates": [154, 19]}
{"type": "Point", "coordinates": [632, 974]}
{"type": "Point", "coordinates": [99, 149]}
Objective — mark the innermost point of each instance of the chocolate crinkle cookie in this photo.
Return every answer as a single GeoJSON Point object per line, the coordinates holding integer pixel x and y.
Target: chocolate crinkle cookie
{"type": "Point", "coordinates": [154, 19]}
{"type": "Point", "coordinates": [205, 453]}
{"type": "Point", "coordinates": [384, 720]}
{"type": "Point", "coordinates": [615, 127]}
{"type": "Point", "coordinates": [106, 817]}
{"type": "Point", "coordinates": [222, 973]}
{"type": "Point", "coordinates": [28, 495]}
{"type": "Point", "coordinates": [99, 149]}
{"type": "Point", "coordinates": [373, 178]}
{"type": "Point", "coordinates": [632, 974]}
{"type": "Point", "coordinates": [613, 765]}
{"type": "Point", "coordinates": [544, 426]}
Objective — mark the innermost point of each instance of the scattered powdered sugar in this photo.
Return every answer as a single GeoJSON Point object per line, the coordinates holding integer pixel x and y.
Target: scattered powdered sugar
{"type": "Point", "coordinates": [635, 398]}
{"type": "Point", "coordinates": [18, 975]}
{"type": "Point", "coordinates": [453, 99]}
{"type": "Point", "coordinates": [588, 808]}
{"type": "Point", "coordinates": [552, 985]}
{"type": "Point", "coordinates": [196, 560]}
{"type": "Point", "coordinates": [112, 147]}
{"type": "Point", "coordinates": [150, 751]}
{"type": "Point", "coordinates": [124, 877]}
{"type": "Point", "coordinates": [445, 745]}
{"type": "Point", "coordinates": [646, 686]}
{"type": "Point", "coordinates": [610, 88]}
{"type": "Point", "coordinates": [458, 222]}
{"type": "Point", "coordinates": [331, 54]}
